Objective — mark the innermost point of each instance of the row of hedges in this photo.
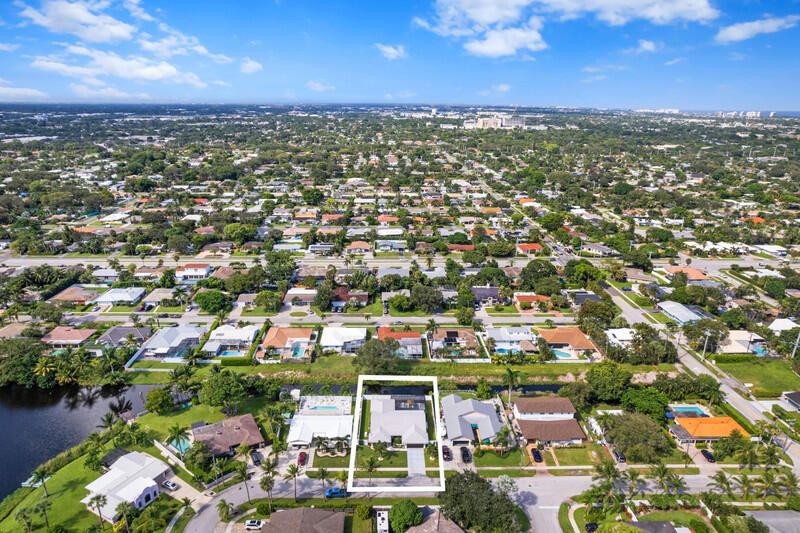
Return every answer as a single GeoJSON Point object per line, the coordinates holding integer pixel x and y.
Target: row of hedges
{"type": "Point", "coordinates": [735, 358]}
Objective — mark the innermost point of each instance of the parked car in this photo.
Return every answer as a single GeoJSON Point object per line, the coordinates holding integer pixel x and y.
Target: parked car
{"type": "Point", "coordinates": [465, 455]}
{"type": "Point", "coordinates": [591, 527]}
{"type": "Point", "coordinates": [537, 455]}
{"type": "Point", "coordinates": [619, 456]}
{"type": "Point", "coordinates": [447, 454]}
{"type": "Point", "coordinates": [169, 485]}
{"type": "Point", "coordinates": [302, 458]}
{"type": "Point", "coordinates": [254, 525]}
{"type": "Point", "coordinates": [256, 457]}
{"type": "Point", "coordinates": [335, 492]}
{"type": "Point", "coordinates": [709, 456]}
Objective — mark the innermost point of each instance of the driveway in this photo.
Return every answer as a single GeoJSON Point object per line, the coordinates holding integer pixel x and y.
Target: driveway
{"type": "Point", "coordinates": [416, 462]}
{"type": "Point", "coordinates": [187, 491]}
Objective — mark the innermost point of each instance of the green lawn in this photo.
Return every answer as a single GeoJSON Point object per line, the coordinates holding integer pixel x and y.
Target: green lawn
{"type": "Point", "coordinates": [393, 311]}
{"type": "Point", "coordinates": [66, 488]}
{"type": "Point", "coordinates": [342, 461]}
{"type": "Point", "coordinates": [259, 311]}
{"type": "Point", "coordinates": [392, 460]}
{"type": "Point", "coordinates": [365, 414]}
{"type": "Point", "coordinates": [123, 308]}
{"type": "Point", "coordinates": [513, 458]}
{"type": "Point", "coordinates": [769, 377]}
{"type": "Point", "coordinates": [679, 518]}
{"type": "Point", "coordinates": [196, 413]}
{"type": "Point", "coordinates": [579, 456]}
{"type": "Point", "coordinates": [171, 310]}
{"type": "Point", "coordinates": [374, 309]}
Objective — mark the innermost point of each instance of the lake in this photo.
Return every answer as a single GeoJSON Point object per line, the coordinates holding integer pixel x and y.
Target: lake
{"type": "Point", "coordinates": [39, 424]}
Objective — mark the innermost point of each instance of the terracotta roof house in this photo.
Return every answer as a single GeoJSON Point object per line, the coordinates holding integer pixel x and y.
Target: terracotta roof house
{"type": "Point", "coordinates": [410, 342]}
{"type": "Point", "coordinates": [305, 520]}
{"type": "Point", "coordinates": [293, 345]}
{"type": "Point", "coordinates": [456, 343]}
{"type": "Point", "coordinates": [543, 408]}
{"type": "Point", "coordinates": [223, 272]}
{"type": "Point", "coordinates": [552, 432]}
{"type": "Point", "coordinates": [222, 438]}
{"type": "Point", "coordinates": [67, 337]}
{"type": "Point", "coordinates": [77, 294]}
{"type": "Point", "coordinates": [343, 296]}
{"type": "Point", "coordinates": [529, 248]}
{"type": "Point", "coordinates": [460, 247]}
{"type": "Point", "coordinates": [13, 330]}
{"type": "Point", "coordinates": [570, 338]}
{"type": "Point", "coordinates": [705, 429]}
{"type": "Point", "coordinates": [359, 247]}
{"type": "Point", "coordinates": [434, 521]}
{"type": "Point", "coordinates": [692, 274]}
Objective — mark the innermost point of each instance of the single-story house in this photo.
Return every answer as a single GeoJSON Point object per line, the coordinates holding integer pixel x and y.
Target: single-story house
{"type": "Point", "coordinates": [176, 341]}
{"type": "Point", "coordinates": [342, 339]}
{"type": "Point", "coordinates": [543, 408]}
{"type": "Point", "coordinates": [228, 337]}
{"type": "Point", "coordinates": [13, 330]}
{"type": "Point", "coordinates": [692, 274]}
{"type": "Point", "coordinates": [358, 248]}
{"type": "Point", "coordinates": [434, 521]}
{"type": "Point", "coordinates": [568, 339]}
{"type": "Point", "coordinates": [780, 325]}
{"type": "Point", "coordinates": [512, 339]}
{"type": "Point", "coordinates": [343, 295]}
{"type": "Point", "coordinates": [523, 299]}
{"type": "Point", "coordinates": [290, 344]}
{"type": "Point", "coordinates": [327, 418]}
{"type": "Point", "coordinates": [305, 520]}
{"type": "Point", "coordinates": [621, 337]}
{"type": "Point", "coordinates": [469, 420]}
{"type": "Point", "coordinates": [78, 294]}
{"type": "Point", "coordinates": [398, 417]}
{"type": "Point", "coordinates": [410, 342]}
{"type": "Point", "coordinates": [486, 295]}
{"type": "Point", "coordinates": [105, 275]}
{"type": "Point", "coordinates": [134, 478]}
{"type": "Point", "coordinates": [400, 272]}
{"type": "Point", "coordinates": [67, 337]}
{"type": "Point", "coordinates": [299, 296]}
{"type": "Point", "coordinates": [678, 312]}
{"type": "Point", "coordinates": [157, 296]}
{"type": "Point", "coordinates": [121, 296]}
{"type": "Point", "coordinates": [529, 249]}
{"type": "Point", "coordinates": [222, 438]}
{"type": "Point", "coordinates": [454, 343]}
{"type": "Point", "coordinates": [124, 336]}
{"type": "Point", "coordinates": [704, 429]}
{"type": "Point", "coordinates": [552, 432]}
{"type": "Point", "coordinates": [793, 398]}
{"type": "Point", "coordinates": [192, 272]}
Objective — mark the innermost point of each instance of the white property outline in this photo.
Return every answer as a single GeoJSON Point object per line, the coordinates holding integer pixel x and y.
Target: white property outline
{"type": "Point", "coordinates": [356, 435]}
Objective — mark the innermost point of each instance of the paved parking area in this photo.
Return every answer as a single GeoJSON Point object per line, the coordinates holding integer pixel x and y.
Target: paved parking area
{"type": "Point", "coordinates": [416, 461]}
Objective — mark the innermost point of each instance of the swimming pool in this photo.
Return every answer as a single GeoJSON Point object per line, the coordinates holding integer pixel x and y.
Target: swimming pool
{"type": "Point", "coordinates": [561, 354]}
{"type": "Point", "coordinates": [760, 349]}
{"type": "Point", "coordinates": [324, 408]}
{"type": "Point", "coordinates": [231, 353]}
{"type": "Point", "coordinates": [688, 410]}
{"type": "Point", "coordinates": [183, 445]}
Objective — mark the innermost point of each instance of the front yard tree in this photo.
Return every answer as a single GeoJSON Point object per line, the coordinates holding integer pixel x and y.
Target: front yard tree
{"type": "Point", "coordinates": [608, 381]}
{"type": "Point", "coordinates": [377, 357]}
{"type": "Point", "coordinates": [403, 515]}
{"type": "Point", "coordinates": [159, 401]}
{"type": "Point", "coordinates": [213, 301]}
{"type": "Point", "coordinates": [426, 298]}
{"type": "Point", "coordinates": [471, 502]}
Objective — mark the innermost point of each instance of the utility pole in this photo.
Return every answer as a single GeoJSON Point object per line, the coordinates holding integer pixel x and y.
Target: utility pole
{"type": "Point", "coordinates": [796, 342]}
{"type": "Point", "coordinates": [705, 345]}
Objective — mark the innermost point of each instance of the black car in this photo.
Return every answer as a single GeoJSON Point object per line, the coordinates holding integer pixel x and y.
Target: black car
{"type": "Point", "coordinates": [465, 455]}
{"type": "Point", "coordinates": [619, 456]}
{"type": "Point", "coordinates": [591, 527]}
{"type": "Point", "coordinates": [447, 454]}
{"type": "Point", "coordinates": [709, 456]}
{"type": "Point", "coordinates": [255, 457]}
{"type": "Point", "coordinates": [537, 455]}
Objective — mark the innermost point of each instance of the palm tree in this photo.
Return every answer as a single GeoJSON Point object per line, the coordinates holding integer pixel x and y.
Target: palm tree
{"type": "Point", "coordinates": [241, 470]}
{"type": "Point", "coordinates": [98, 501]}
{"type": "Point", "coordinates": [24, 516]}
{"type": "Point", "coordinates": [789, 484]}
{"type": "Point", "coordinates": [606, 471]}
{"type": "Point", "coordinates": [432, 325]}
{"type": "Point", "coordinates": [745, 484]}
{"type": "Point", "coordinates": [124, 510]}
{"type": "Point", "coordinates": [270, 467]}
{"type": "Point", "coordinates": [267, 483]}
{"type": "Point", "coordinates": [721, 482]}
{"type": "Point", "coordinates": [45, 366]}
{"type": "Point", "coordinates": [177, 434]}
{"type": "Point", "coordinates": [380, 449]}
{"type": "Point", "coordinates": [107, 421]}
{"type": "Point", "coordinates": [323, 477]}
{"type": "Point", "coordinates": [748, 457]}
{"type": "Point", "coordinates": [772, 456]}
{"type": "Point", "coordinates": [659, 473]}
{"type": "Point", "coordinates": [42, 508]}
{"type": "Point", "coordinates": [292, 473]}
{"type": "Point", "coordinates": [676, 483]}
{"type": "Point", "coordinates": [224, 510]}
{"type": "Point", "coordinates": [220, 465]}
{"type": "Point", "coordinates": [370, 465]}
{"type": "Point", "coordinates": [40, 475]}
{"type": "Point", "coordinates": [119, 406]}
{"type": "Point", "coordinates": [635, 483]}
{"type": "Point", "coordinates": [341, 477]}
{"type": "Point", "coordinates": [511, 380]}
{"type": "Point", "coordinates": [768, 482]}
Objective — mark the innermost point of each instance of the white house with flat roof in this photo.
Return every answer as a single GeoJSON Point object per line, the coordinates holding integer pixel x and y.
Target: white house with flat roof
{"type": "Point", "coordinates": [176, 341]}
{"type": "Point", "coordinates": [121, 296]}
{"type": "Point", "coordinates": [133, 478]}
{"type": "Point", "coordinates": [464, 420]}
{"type": "Point", "coordinates": [621, 337]}
{"type": "Point", "coordinates": [229, 337]}
{"type": "Point", "coordinates": [326, 418]}
{"type": "Point", "coordinates": [678, 312]}
{"type": "Point", "coordinates": [397, 417]}
{"type": "Point", "coordinates": [342, 339]}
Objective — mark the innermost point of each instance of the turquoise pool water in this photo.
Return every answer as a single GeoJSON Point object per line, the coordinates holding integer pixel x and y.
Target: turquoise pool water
{"type": "Point", "coordinates": [760, 349]}
{"type": "Point", "coordinates": [324, 408]}
{"type": "Point", "coordinates": [696, 411]}
{"type": "Point", "coordinates": [561, 354]}
{"type": "Point", "coordinates": [298, 351]}
{"type": "Point", "coordinates": [231, 353]}
{"type": "Point", "coordinates": [182, 445]}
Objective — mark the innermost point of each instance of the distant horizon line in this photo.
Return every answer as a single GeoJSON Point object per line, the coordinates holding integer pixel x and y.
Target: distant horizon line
{"type": "Point", "coordinates": [655, 110]}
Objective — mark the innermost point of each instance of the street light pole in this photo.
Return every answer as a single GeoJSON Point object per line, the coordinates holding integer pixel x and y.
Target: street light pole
{"type": "Point", "coordinates": [796, 342]}
{"type": "Point", "coordinates": [705, 345]}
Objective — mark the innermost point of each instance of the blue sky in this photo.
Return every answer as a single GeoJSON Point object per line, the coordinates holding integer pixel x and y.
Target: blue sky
{"type": "Point", "coordinates": [689, 54]}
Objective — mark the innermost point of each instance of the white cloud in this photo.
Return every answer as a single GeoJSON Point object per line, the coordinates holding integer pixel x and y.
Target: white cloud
{"type": "Point", "coordinates": [644, 46]}
{"type": "Point", "coordinates": [594, 79]}
{"type": "Point", "coordinates": [102, 64]}
{"type": "Point", "coordinates": [508, 41]}
{"type": "Point", "coordinates": [19, 93]}
{"type": "Point", "coordinates": [82, 19]}
{"type": "Point", "coordinates": [674, 61]}
{"type": "Point", "coordinates": [320, 87]}
{"type": "Point", "coordinates": [137, 11]}
{"type": "Point", "coordinates": [502, 27]}
{"type": "Point", "coordinates": [391, 52]}
{"type": "Point", "coordinates": [747, 30]}
{"type": "Point", "coordinates": [220, 83]}
{"type": "Point", "coordinates": [250, 66]}
{"type": "Point", "coordinates": [8, 47]}
{"type": "Point", "coordinates": [104, 93]}
{"type": "Point", "coordinates": [177, 43]}
{"type": "Point", "coordinates": [499, 88]}
{"type": "Point", "coordinates": [603, 68]}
